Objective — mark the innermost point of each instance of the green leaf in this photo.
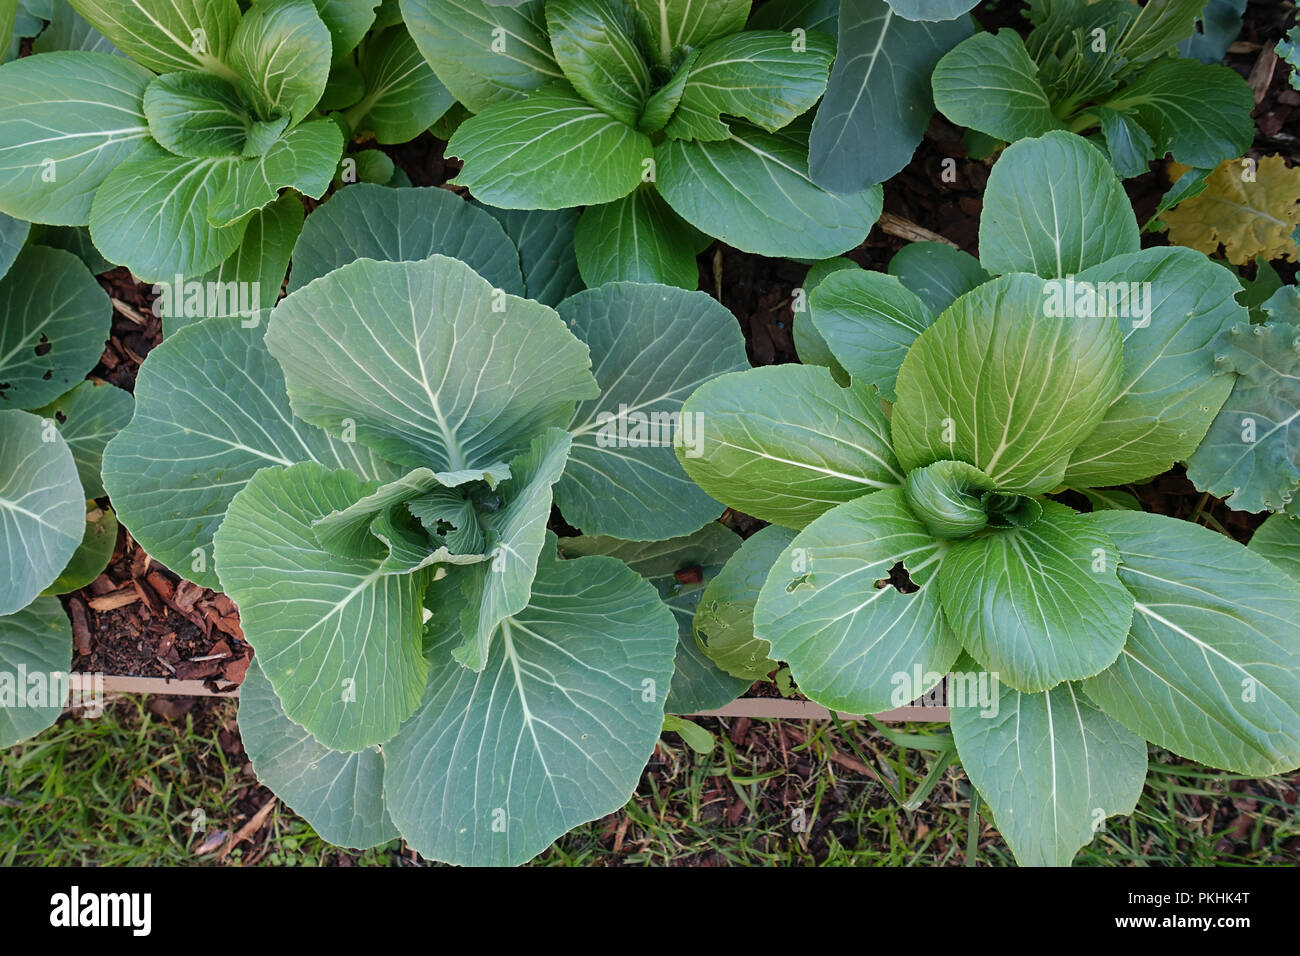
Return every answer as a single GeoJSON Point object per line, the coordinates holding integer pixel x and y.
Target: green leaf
{"type": "Point", "coordinates": [947, 497]}
{"type": "Point", "coordinates": [594, 43]}
{"type": "Point", "coordinates": [752, 190]}
{"type": "Point", "coordinates": [724, 618]}
{"type": "Point", "coordinates": [1189, 184]}
{"type": "Point", "coordinates": [68, 30]}
{"type": "Point", "coordinates": [13, 233]}
{"type": "Point", "coordinates": [366, 221]}
{"type": "Point", "coordinates": [1158, 29]}
{"type": "Point", "coordinates": [1001, 384]}
{"type": "Point", "coordinates": [1278, 540]}
{"type": "Point", "coordinates": [808, 342]}
{"type": "Point", "coordinates": [1052, 767]}
{"type": "Point", "coordinates": [785, 444]}
{"type": "Point", "coordinates": [1106, 499]}
{"type": "Point", "coordinates": [545, 239]}
{"type": "Point", "coordinates": [651, 347]}
{"type": "Point", "coordinates": [98, 541]}
{"type": "Point", "coordinates": [1220, 24]}
{"type": "Point", "coordinates": [661, 105]}
{"type": "Point", "coordinates": [931, 9]}
{"type": "Point", "coordinates": [73, 239]}
{"type": "Point", "coordinates": [282, 53]}
{"type": "Point", "coordinates": [1211, 669]}
{"type": "Point", "coordinates": [42, 507]}
{"type": "Point", "coordinates": [305, 159]}
{"type": "Point", "coordinates": [403, 96]}
{"type": "Point", "coordinates": [789, 14]}
{"type": "Point", "coordinates": [869, 321]}
{"type": "Point", "coordinates": [1040, 604]}
{"type": "Point", "coordinates": [484, 53]}
{"type": "Point", "coordinates": [554, 732]}
{"type": "Point", "coordinates": [196, 115]}
{"type": "Point", "coordinates": [765, 77]}
{"type": "Point", "coordinates": [549, 151]}
{"type": "Point", "coordinates": [150, 214]}
{"type": "Point", "coordinates": [1199, 112]}
{"type": "Point", "coordinates": [937, 273]}
{"type": "Point", "coordinates": [339, 640]}
{"type": "Point", "coordinates": [262, 258]}
{"type": "Point", "coordinates": [166, 37]}
{"type": "Point", "coordinates": [678, 23]}
{"type": "Point", "coordinates": [989, 83]}
{"type": "Point", "coordinates": [1170, 389]}
{"type": "Point", "coordinates": [210, 411]}
{"type": "Point", "coordinates": [37, 639]}
{"type": "Point", "coordinates": [339, 793]}
{"type": "Point", "coordinates": [851, 639]}
{"type": "Point", "coordinates": [347, 22]}
{"type": "Point", "coordinates": [1054, 207]}
{"type": "Point", "coordinates": [54, 318]}
{"type": "Point", "coordinates": [87, 417]}
{"type": "Point", "coordinates": [1130, 147]}
{"type": "Point", "coordinates": [695, 736]}
{"type": "Point", "coordinates": [697, 684]}
{"type": "Point", "coordinates": [463, 384]}
{"type": "Point", "coordinates": [515, 537]}
{"type": "Point", "coordinates": [1251, 455]}
{"type": "Point", "coordinates": [67, 120]}
{"type": "Point", "coordinates": [636, 239]}
{"type": "Point", "coordinates": [878, 102]}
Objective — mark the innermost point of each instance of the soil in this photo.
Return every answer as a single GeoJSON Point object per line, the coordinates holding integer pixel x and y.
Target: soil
{"type": "Point", "coordinates": [191, 632]}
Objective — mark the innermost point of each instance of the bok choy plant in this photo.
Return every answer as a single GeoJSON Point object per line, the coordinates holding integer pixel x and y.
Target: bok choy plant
{"type": "Point", "coordinates": [924, 535]}
{"type": "Point", "coordinates": [1111, 67]}
{"type": "Point", "coordinates": [670, 121]}
{"type": "Point", "coordinates": [369, 473]}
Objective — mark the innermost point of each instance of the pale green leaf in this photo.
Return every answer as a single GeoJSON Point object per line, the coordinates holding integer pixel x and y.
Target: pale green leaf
{"type": "Point", "coordinates": [211, 410]}
{"type": "Point", "coordinates": [1054, 207]}
{"type": "Point", "coordinates": [340, 794]}
{"type": "Point", "coordinates": [38, 639]}
{"type": "Point", "coordinates": [1170, 389]}
{"type": "Point", "coordinates": [678, 23]}
{"type": "Point", "coordinates": [425, 366]}
{"type": "Point", "coordinates": [67, 120]}
{"type": "Point", "coordinates": [365, 221]}
{"type": "Point", "coordinates": [937, 273]}
{"type": "Point", "coordinates": [1211, 669]}
{"type": "Point", "coordinates": [403, 96]}
{"type": "Point", "coordinates": [1278, 540]}
{"type": "Point", "coordinates": [989, 83]}
{"type": "Point", "coordinates": [636, 239]}
{"type": "Point", "coordinates": [42, 508]}
{"type": "Point", "coordinates": [1052, 767]}
{"type": "Point", "coordinates": [998, 383]}
{"type": "Point", "coordinates": [786, 444]}
{"type": "Point", "coordinates": [594, 42]}
{"type": "Point", "coordinates": [554, 731]}
{"type": "Point", "coordinates": [282, 52]}
{"type": "Point", "coordinates": [166, 37]}
{"type": "Point", "coordinates": [829, 611]}
{"type": "Point", "coordinates": [305, 159]}
{"type": "Point", "coordinates": [752, 190]}
{"type": "Point", "coordinates": [88, 416]}
{"type": "Point", "coordinates": [549, 151]}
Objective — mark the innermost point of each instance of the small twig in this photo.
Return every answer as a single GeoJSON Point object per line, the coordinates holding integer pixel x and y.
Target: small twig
{"type": "Point", "coordinates": [248, 829]}
{"type": "Point", "coordinates": [128, 312]}
{"type": "Point", "coordinates": [906, 229]}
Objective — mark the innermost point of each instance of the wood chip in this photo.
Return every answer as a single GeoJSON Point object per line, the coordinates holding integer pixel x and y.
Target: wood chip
{"type": "Point", "coordinates": [249, 828]}
{"type": "Point", "coordinates": [187, 595]}
{"type": "Point", "coordinates": [110, 602]}
{"type": "Point", "coordinates": [1261, 74]}
{"type": "Point", "coordinates": [906, 229]}
{"type": "Point", "coordinates": [162, 587]}
{"type": "Point", "coordinates": [80, 626]}
{"type": "Point", "coordinates": [128, 312]}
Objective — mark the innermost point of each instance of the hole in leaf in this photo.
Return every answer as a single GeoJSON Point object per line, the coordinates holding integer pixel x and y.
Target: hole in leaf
{"type": "Point", "coordinates": [49, 374]}
{"type": "Point", "coordinates": [444, 527]}
{"type": "Point", "coordinates": [900, 579]}
{"type": "Point", "coordinates": [800, 583]}
{"type": "Point", "coordinates": [59, 417]}
{"type": "Point", "coordinates": [43, 347]}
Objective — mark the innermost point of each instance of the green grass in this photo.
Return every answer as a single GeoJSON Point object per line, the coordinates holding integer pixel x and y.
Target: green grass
{"type": "Point", "coordinates": [131, 789]}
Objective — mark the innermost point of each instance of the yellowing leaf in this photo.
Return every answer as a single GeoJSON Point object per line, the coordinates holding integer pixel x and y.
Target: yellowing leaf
{"type": "Point", "coordinates": [1249, 211]}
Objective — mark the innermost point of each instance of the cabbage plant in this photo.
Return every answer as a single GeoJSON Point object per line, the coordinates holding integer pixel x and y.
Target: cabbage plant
{"type": "Point", "coordinates": [923, 532]}
{"type": "Point", "coordinates": [369, 472]}
{"type": "Point", "coordinates": [671, 121]}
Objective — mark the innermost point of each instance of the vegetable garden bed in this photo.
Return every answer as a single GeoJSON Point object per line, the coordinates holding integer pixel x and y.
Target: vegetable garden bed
{"type": "Point", "coordinates": [419, 471]}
